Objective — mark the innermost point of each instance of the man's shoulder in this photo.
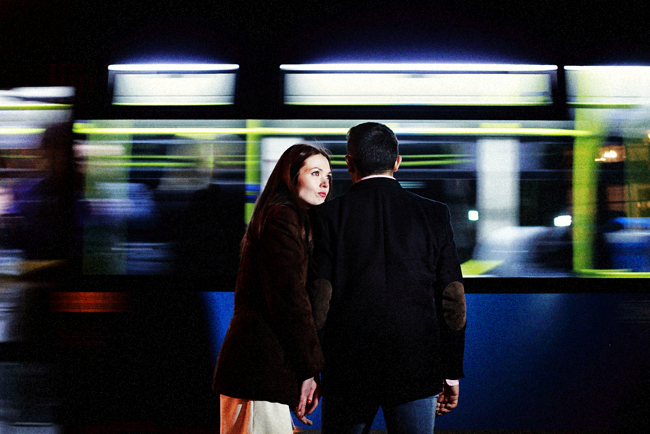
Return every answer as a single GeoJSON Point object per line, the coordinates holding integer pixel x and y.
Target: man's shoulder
{"type": "Point", "coordinates": [326, 207]}
{"type": "Point", "coordinates": [403, 195]}
{"type": "Point", "coordinates": [425, 200]}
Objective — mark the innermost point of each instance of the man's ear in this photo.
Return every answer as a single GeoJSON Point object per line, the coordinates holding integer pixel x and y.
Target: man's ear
{"type": "Point", "coordinates": [398, 161]}
{"type": "Point", "coordinates": [352, 169]}
{"type": "Point", "coordinates": [350, 164]}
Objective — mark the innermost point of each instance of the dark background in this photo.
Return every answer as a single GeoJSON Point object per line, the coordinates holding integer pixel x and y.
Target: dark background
{"type": "Point", "coordinates": [256, 31]}
{"type": "Point", "coordinates": [71, 42]}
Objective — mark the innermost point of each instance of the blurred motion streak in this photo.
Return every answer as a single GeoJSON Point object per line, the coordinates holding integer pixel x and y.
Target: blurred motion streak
{"type": "Point", "coordinates": [35, 243]}
{"type": "Point", "coordinates": [90, 301]}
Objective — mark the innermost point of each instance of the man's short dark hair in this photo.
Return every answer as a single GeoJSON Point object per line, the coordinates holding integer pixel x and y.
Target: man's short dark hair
{"type": "Point", "coordinates": [373, 148]}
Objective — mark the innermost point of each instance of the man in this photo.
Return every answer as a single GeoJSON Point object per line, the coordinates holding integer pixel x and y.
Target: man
{"type": "Point", "coordinates": [395, 331]}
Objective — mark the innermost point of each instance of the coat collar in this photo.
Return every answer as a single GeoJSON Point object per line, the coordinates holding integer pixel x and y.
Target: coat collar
{"type": "Point", "coordinates": [372, 183]}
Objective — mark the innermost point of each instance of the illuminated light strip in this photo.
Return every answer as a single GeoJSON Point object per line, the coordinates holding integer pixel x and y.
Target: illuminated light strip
{"type": "Point", "coordinates": [442, 159]}
{"type": "Point", "coordinates": [436, 156]}
{"type": "Point", "coordinates": [419, 84]}
{"type": "Point", "coordinates": [613, 68]}
{"type": "Point", "coordinates": [455, 104]}
{"type": "Point", "coordinates": [132, 164]}
{"type": "Point", "coordinates": [37, 107]}
{"type": "Point", "coordinates": [80, 129]}
{"type": "Point", "coordinates": [475, 267]}
{"type": "Point", "coordinates": [606, 105]}
{"type": "Point", "coordinates": [435, 162]}
{"type": "Point", "coordinates": [229, 163]}
{"type": "Point", "coordinates": [494, 131]}
{"type": "Point", "coordinates": [163, 157]}
{"type": "Point", "coordinates": [608, 86]}
{"type": "Point", "coordinates": [613, 274]}
{"type": "Point", "coordinates": [20, 131]}
{"type": "Point", "coordinates": [21, 157]}
{"type": "Point", "coordinates": [146, 157]}
{"type": "Point", "coordinates": [195, 159]}
{"type": "Point", "coordinates": [173, 67]}
{"type": "Point", "coordinates": [338, 160]}
{"type": "Point", "coordinates": [425, 67]}
{"type": "Point", "coordinates": [338, 131]}
{"type": "Point", "coordinates": [181, 104]}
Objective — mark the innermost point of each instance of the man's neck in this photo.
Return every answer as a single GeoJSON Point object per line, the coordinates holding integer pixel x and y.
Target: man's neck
{"type": "Point", "coordinates": [379, 175]}
{"type": "Point", "coordinates": [357, 177]}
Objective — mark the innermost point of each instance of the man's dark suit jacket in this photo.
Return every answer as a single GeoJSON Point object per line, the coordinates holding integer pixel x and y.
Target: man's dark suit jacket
{"type": "Point", "coordinates": [396, 324]}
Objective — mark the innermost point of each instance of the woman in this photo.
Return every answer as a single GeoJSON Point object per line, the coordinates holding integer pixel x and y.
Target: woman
{"type": "Point", "coordinates": [271, 353]}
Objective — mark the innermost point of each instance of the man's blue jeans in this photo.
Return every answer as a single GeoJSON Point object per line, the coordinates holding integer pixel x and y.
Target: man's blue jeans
{"type": "Point", "coordinates": [344, 416]}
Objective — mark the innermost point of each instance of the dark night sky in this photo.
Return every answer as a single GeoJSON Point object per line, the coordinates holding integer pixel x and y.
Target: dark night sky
{"type": "Point", "coordinates": [71, 42]}
{"type": "Point", "coordinates": [285, 31]}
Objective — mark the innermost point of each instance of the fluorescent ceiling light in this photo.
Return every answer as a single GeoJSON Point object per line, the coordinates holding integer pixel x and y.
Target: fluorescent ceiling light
{"type": "Point", "coordinates": [604, 68]}
{"type": "Point", "coordinates": [423, 67]}
{"type": "Point", "coordinates": [403, 88]}
{"type": "Point", "coordinates": [170, 67]}
{"type": "Point", "coordinates": [608, 86]}
{"type": "Point", "coordinates": [394, 84]}
{"type": "Point", "coordinates": [42, 92]}
{"type": "Point", "coordinates": [178, 84]}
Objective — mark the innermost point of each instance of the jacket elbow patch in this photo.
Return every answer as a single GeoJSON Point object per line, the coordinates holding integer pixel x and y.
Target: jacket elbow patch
{"type": "Point", "coordinates": [320, 292]}
{"type": "Point", "coordinates": [453, 305]}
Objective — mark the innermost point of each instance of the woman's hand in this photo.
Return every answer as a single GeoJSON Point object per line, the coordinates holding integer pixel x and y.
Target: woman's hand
{"type": "Point", "coordinates": [309, 397]}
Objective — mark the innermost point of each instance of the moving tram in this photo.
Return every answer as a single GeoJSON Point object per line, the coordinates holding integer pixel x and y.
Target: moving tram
{"type": "Point", "coordinates": [120, 233]}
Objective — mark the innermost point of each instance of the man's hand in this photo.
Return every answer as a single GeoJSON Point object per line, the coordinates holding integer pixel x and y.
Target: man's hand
{"type": "Point", "coordinates": [447, 400]}
{"type": "Point", "coordinates": [309, 397]}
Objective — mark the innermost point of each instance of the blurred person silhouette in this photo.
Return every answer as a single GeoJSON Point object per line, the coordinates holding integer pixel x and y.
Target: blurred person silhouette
{"type": "Point", "coordinates": [39, 220]}
{"type": "Point", "coordinates": [207, 236]}
{"type": "Point", "coordinates": [271, 357]}
{"type": "Point", "coordinates": [395, 330]}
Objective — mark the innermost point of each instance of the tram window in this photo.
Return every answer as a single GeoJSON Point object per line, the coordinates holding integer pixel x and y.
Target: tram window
{"type": "Point", "coordinates": [510, 190]}
{"type": "Point", "coordinates": [35, 140]}
{"type": "Point", "coordinates": [161, 198]}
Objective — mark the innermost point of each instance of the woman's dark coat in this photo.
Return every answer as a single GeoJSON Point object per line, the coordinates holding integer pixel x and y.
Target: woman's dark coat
{"type": "Point", "coordinates": [271, 345]}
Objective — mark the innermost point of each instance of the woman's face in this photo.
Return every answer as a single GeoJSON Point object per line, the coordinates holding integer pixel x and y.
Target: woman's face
{"type": "Point", "coordinates": [314, 179]}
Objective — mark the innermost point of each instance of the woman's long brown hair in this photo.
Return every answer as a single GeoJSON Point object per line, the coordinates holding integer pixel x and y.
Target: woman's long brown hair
{"type": "Point", "coordinates": [282, 188]}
